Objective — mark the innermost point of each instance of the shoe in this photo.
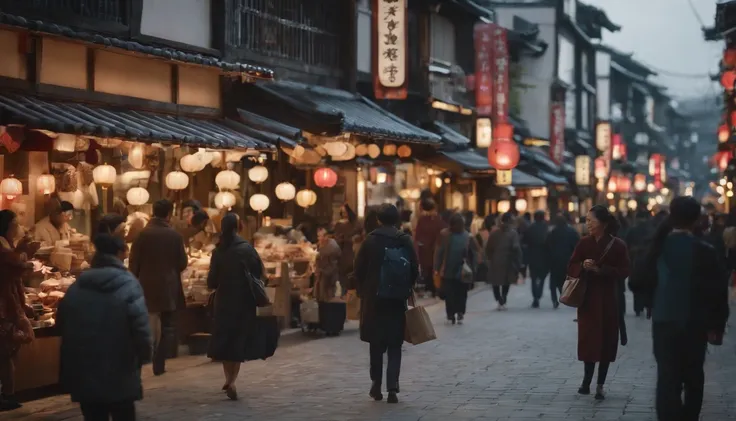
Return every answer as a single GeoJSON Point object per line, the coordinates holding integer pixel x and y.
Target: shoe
{"type": "Point", "coordinates": [535, 304]}
{"type": "Point", "coordinates": [460, 318]}
{"type": "Point", "coordinates": [499, 307]}
{"type": "Point", "coordinates": [392, 398]}
{"type": "Point", "coordinates": [9, 403]}
{"type": "Point", "coordinates": [555, 304]}
{"type": "Point", "coordinates": [232, 393]}
{"type": "Point", "coordinates": [584, 390]}
{"type": "Point", "coordinates": [504, 308]}
{"type": "Point", "coordinates": [451, 320]}
{"type": "Point", "coordinates": [599, 395]}
{"type": "Point", "coordinates": [375, 392]}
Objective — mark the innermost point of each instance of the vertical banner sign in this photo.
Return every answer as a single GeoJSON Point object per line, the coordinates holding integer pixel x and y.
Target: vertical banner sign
{"type": "Point", "coordinates": [390, 52]}
{"type": "Point", "coordinates": [582, 170]}
{"type": "Point", "coordinates": [501, 73]}
{"type": "Point", "coordinates": [483, 35]}
{"type": "Point", "coordinates": [604, 143]}
{"type": "Point", "coordinates": [557, 132]}
{"type": "Point", "coordinates": [503, 177]}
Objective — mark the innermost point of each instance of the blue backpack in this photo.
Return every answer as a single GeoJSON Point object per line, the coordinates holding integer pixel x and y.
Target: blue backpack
{"type": "Point", "coordinates": [395, 278]}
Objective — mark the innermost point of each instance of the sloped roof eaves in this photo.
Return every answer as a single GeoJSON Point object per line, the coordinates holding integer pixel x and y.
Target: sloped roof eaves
{"type": "Point", "coordinates": [450, 136]}
{"type": "Point", "coordinates": [617, 67]}
{"type": "Point", "coordinates": [469, 159]}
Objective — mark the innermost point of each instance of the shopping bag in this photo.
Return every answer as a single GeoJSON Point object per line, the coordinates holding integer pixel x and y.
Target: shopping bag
{"type": "Point", "coordinates": [281, 302]}
{"type": "Point", "coordinates": [573, 292]}
{"type": "Point", "coordinates": [309, 311]}
{"type": "Point", "coordinates": [419, 327]}
{"type": "Point", "coordinates": [352, 301]}
{"type": "Point", "coordinates": [263, 340]}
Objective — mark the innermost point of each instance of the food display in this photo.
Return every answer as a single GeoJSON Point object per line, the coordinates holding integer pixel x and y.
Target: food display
{"type": "Point", "coordinates": [301, 258]}
{"type": "Point", "coordinates": [194, 279]}
{"type": "Point", "coordinates": [45, 298]}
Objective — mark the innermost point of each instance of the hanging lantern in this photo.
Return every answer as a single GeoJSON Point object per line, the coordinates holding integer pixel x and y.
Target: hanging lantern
{"type": "Point", "coordinates": [137, 196]}
{"type": "Point", "coordinates": [640, 182]}
{"type": "Point", "coordinates": [11, 187]}
{"type": "Point", "coordinates": [361, 150]}
{"type": "Point", "coordinates": [348, 155]}
{"type": "Point", "coordinates": [374, 151]}
{"type": "Point", "coordinates": [335, 149]}
{"type": "Point", "coordinates": [654, 164]}
{"type": "Point", "coordinates": [228, 180]}
{"type": "Point", "coordinates": [258, 174]}
{"type": "Point", "coordinates": [724, 133]}
{"type": "Point", "coordinates": [613, 184]}
{"type": "Point", "coordinates": [389, 149]}
{"type": "Point", "coordinates": [582, 170]}
{"type": "Point", "coordinates": [381, 178]}
{"type": "Point", "coordinates": [104, 175]}
{"type": "Point", "coordinates": [601, 169]}
{"type": "Point", "coordinates": [224, 200]}
{"type": "Point", "coordinates": [190, 163]}
{"type": "Point", "coordinates": [603, 136]}
{"type": "Point", "coordinates": [325, 177]}
{"type": "Point", "coordinates": [624, 184]}
{"type": "Point", "coordinates": [483, 133]}
{"type": "Point", "coordinates": [259, 202]}
{"type": "Point", "coordinates": [503, 154]}
{"type": "Point", "coordinates": [521, 205]}
{"type": "Point", "coordinates": [618, 152]}
{"type": "Point", "coordinates": [404, 151]}
{"type": "Point", "coordinates": [177, 180]}
{"type": "Point", "coordinates": [299, 151]}
{"type": "Point", "coordinates": [306, 198]}
{"type": "Point", "coordinates": [136, 156]}
{"type": "Point", "coordinates": [728, 79]}
{"type": "Point", "coordinates": [285, 192]}
{"type": "Point", "coordinates": [722, 159]}
{"type": "Point", "coordinates": [46, 184]}
{"type": "Point", "coordinates": [729, 58]}
{"type": "Point", "coordinates": [503, 132]}
{"type": "Point", "coordinates": [65, 142]}
{"type": "Point", "coordinates": [503, 206]}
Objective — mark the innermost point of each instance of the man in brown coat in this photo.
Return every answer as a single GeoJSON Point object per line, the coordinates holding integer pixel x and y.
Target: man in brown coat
{"type": "Point", "coordinates": [157, 259]}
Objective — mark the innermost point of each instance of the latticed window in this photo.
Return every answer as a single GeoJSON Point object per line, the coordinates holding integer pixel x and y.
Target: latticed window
{"type": "Point", "coordinates": [56, 10]}
{"type": "Point", "coordinates": [304, 31]}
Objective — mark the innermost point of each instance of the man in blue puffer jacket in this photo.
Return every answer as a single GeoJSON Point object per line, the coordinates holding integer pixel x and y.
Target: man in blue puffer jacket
{"type": "Point", "coordinates": [105, 336]}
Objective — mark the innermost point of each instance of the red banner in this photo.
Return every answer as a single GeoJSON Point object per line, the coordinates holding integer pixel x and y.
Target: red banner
{"type": "Point", "coordinates": [483, 40]}
{"type": "Point", "coordinates": [557, 132]}
{"type": "Point", "coordinates": [501, 72]}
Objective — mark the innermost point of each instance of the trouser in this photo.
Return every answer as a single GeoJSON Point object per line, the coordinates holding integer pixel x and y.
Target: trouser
{"type": "Point", "coordinates": [602, 373]}
{"type": "Point", "coordinates": [537, 285]}
{"type": "Point", "coordinates": [556, 281]}
{"type": "Point", "coordinates": [680, 354]}
{"type": "Point", "coordinates": [393, 368]}
{"type": "Point", "coordinates": [7, 376]}
{"type": "Point", "coordinates": [456, 298]}
{"type": "Point", "coordinates": [163, 331]}
{"type": "Point", "coordinates": [500, 293]}
{"type": "Point", "coordinates": [428, 281]}
{"type": "Point", "coordinates": [123, 411]}
{"type": "Point", "coordinates": [638, 303]}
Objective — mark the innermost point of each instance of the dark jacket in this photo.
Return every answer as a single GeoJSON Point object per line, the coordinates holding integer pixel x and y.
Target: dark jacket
{"type": "Point", "coordinates": [503, 251]}
{"type": "Point", "coordinates": [157, 259]}
{"type": "Point", "coordinates": [561, 243]}
{"type": "Point", "coordinates": [105, 336]}
{"type": "Point", "coordinates": [454, 250]}
{"type": "Point", "coordinates": [535, 248]}
{"type": "Point", "coordinates": [235, 307]}
{"type": "Point", "coordinates": [381, 320]}
{"type": "Point", "coordinates": [426, 237]}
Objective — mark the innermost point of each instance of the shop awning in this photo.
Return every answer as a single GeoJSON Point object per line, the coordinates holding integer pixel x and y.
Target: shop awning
{"type": "Point", "coordinates": [520, 179]}
{"type": "Point", "coordinates": [278, 133]}
{"type": "Point", "coordinates": [450, 137]}
{"type": "Point", "coordinates": [83, 119]}
{"type": "Point", "coordinates": [469, 160]}
{"type": "Point", "coordinates": [553, 179]}
{"type": "Point", "coordinates": [327, 111]}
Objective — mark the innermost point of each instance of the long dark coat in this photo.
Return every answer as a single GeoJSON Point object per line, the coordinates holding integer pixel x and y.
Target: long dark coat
{"type": "Point", "coordinates": [561, 243]}
{"type": "Point", "coordinates": [598, 317]}
{"type": "Point", "coordinates": [381, 321]}
{"type": "Point", "coordinates": [235, 307]}
{"type": "Point", "coordinates": [157, 259]}
{"type": "Point", "coordinates": [503, 251]}
{"type": "Point", "coordinates": [344, 233]}
{"type": "Point", "coordinates": [535, 247]}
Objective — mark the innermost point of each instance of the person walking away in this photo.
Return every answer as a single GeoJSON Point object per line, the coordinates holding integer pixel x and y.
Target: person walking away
{"type": "Point", "coordinates": [157, 258]}
{"type": "Point", "coordinates": [522, 225]}
{"type": "Point", "coordinates": [689, 303]}
{"type": "Point", "coordinates": [561, 243]}
{"type": "Point", "coordinates": [601, 260]}
{"type": "Point", "coordinates": [386, 269]}
{"type": "Point", "coordinates": [15, 328]}
{"type": "Point", "coordinates": [504, 256]}
{"type": "Point", "coordinates": [638, 240]}
{"type": "Point", "coordinates": [345, 229]}
{"type": "Point", "coordinates": [105, 336]}
{"type": "Point", "coordinates": [455, 249]}
{"type": "Point", "coordinates": [537, 254]}
{"type": "Point", "coordinates": [488, 225]}
{"type": "Point", "coordinates": [426, 236]}
{"type": "Point", "coordinates": [235, 264]}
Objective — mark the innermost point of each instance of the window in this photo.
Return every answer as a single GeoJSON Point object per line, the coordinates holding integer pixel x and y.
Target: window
{"type": "Point", "coordinates": [566, 64]}
{"type": "Point", "coordinates": [584, 69]}
{"type": "Point", "coordinates": [569, 7]}
{"type": "Point", "coordinates": [442, 39]}
{"type": "Point", "coordinates": [570, 110]}
{"type": "Point", "coordinates": [584, 111]}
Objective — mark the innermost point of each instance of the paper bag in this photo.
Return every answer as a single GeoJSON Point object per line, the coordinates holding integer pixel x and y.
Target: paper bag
{"type": "Point", "coordinates": [419, 327]}
{"type": "Point", "coordinates": [309, 311]}
{"type": "Point", "coordinates": [352, 303]}
{"type": "Point", "coordinates": [281, 302]}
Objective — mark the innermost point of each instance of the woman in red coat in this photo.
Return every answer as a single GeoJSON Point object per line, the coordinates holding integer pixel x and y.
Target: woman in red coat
{"type": "Point", "coordinates": [601, 260]}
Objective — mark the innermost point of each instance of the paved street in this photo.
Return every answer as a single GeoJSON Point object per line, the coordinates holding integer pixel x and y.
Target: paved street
{"type": "Point", "coordinates": [515, 365]}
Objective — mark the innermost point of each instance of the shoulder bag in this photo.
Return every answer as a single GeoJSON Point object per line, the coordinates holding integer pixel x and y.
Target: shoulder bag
{"type": "Point", "coordinates": [466, 275]}
{"type": "Point", "coordinates": [573, 290]}
{"type": "Point", "coordinates": [437, 277]}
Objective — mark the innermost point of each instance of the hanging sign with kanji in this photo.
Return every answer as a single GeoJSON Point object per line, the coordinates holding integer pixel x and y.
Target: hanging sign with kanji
{"type": "Point", "coordinates": [390, 49]}
{"type": "Point", "coordinates": [557, 132]}
{"type": "Point", "coordinates": [483, 37]}
{"type": "Point", "coordinates": [503, 177]}
{"type": "Point", "coordinates": [501, 74]}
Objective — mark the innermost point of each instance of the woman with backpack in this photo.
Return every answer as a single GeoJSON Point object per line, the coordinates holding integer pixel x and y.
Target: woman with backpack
{"type": "Point", "coordinates": [456, 255]}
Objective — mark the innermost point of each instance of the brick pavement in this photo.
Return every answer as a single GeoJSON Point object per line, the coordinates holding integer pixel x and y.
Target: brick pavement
{"type": "Point", "coordinates": [515, 365]}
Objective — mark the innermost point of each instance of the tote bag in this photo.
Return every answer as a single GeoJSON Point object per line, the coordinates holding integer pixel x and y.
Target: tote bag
{"type": "Point", "coordinates": [573, 290]}
{"type": "Point", "coordinates": [419, 327]}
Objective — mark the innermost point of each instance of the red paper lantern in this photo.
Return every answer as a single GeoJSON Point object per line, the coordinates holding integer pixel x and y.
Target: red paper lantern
{"type": "Point", "coordinates": [601, 169]}
{"type": "Point", "coordinates": [640, 182]}
{"type": "Point", "coordinates": [503, 155]}
{"type": "Point", "coordinates": [624, 184]}
{"type": "Point", "coordinates": [729, 58]}
{"type": "Point", "coordinates": [724, 133]}
{"type": "Point", "coordinates": [325, 178]}
{"type": "Point", "coordinates": [503, 132]}
{"type": "Point", "coordinates": [722, 159]}
{"type": "Point", "coordinates": [613, 184]}
{"type": "Point", "coordinates": [728, 79]}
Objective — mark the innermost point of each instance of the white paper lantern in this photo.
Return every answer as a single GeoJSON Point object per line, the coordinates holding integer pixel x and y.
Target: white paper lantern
{"type": "Point", "coordinates": [306, 198]}
{"type": "Point", "coordinates": [227, 180]}
{"type": "Point", "coordinates": [258, 174]}
{"type": "Point", "coordinates": [46, 184]}
{"type": "Point", "coordinates": [299, 151]}
{"type": "Point", "coordinates": [259, 202]}
{"type": "Point", "coordinates": [389, 149]}
{"type": "Point", "coordinates": [177, 180]}
{"type": "Point", "coordinates": [224, 200]}
{"type": "Point", "coordinates": [361, 150]}
{"type": "Point", "coordinates": [336, 149]}
{"type": "Point", "coordinates": [285, 192]}
{"type": "Point", "coordinates": [65, 142]}
{"type": "Point", "coordinates": [136, 156]}
{"type": "Point", "coordinates": [521, 205]}
{"type": "Point", "coordinates": [11, 187]}
{"type": "Point", "coordinates": [504, 206]}
{"type": "Point", "coordinates": [138, 196]}
{"type": "Point", "coordinates": [217, 160]}
{"type": "Point", "coordinates": [104, 175]}
{"type": "Point", "coordinates": [348, 155]}
{"type": "Point", "coordinates": [374, 151]}
{"type": "Point", "coordinates": [190, 164]}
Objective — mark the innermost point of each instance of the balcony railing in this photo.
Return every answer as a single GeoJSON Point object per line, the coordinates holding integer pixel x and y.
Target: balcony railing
{"type": "Point", "coordinates": [297, 30]}
{"type": "Point", "coordinates": [69, 11]}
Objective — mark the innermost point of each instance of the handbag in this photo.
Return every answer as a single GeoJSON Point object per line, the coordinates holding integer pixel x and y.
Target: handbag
{"type": "Point", "coordinates": [437, 277]}
{"type": "Point", "coordinates": [419, 328]}
{"type": "Point", "coordinates": [574, 288]}
{"type": "Point", "coordinates": [467, 276]}
{"type": "Point", "coordinates": [259, 292]}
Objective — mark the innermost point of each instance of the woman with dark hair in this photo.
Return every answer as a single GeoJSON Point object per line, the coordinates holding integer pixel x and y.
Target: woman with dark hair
{"type": "Point", "coordinates": [371, 221]}
{"type": "Point", "coordinates": [345, 229]}
{"type": "Point", "coordinates": [15, 328]}
{"type": "Point", "coordinates": [234, 266]}
{"type": "Point", "coordinates": [455, 249]}
{"type": "Point", "coordinates": [601, 261]}
{"type": "Point", "coordinates": [503, 252]}
{"type": "Point", "coordinates": [112, 224]}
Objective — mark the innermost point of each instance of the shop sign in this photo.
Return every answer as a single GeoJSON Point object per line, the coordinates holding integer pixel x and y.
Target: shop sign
{"type": "Point", "coordinates": [503, 177]}
{"type": "Point", "coordinates": [657, 169]}
{"type": "Point", "coordinates": [7, 141]}
{"type": "Point", "coordinates": [390, 49]}
{"type": "Point", "coordinates": [582, 170]}
{"type": "Point", "coordinates": [557, 132]}
{"type": "Point", "coordinates": [483, 40]}
{"type": "Point", "coordinates": [603, 136]}
{"type": "Point", "coordinates": [483, 133]}
{"type": "Point", "coordinates": [501, 72]}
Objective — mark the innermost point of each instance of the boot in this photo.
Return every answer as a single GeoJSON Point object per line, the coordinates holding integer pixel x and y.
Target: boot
{"type": "Point", "coordinates": [599, 395]}
{"type": "Point", "coordinates": [392, 398]}
{"type": "Point", "coordinates": [375, 392]}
